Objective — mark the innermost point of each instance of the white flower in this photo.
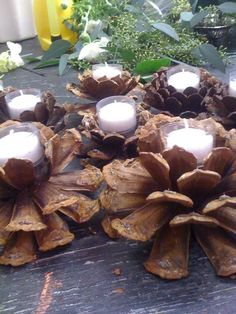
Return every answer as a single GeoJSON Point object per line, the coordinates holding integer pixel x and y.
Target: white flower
{"type": "Point", "coordinates": [92, 25]}
{"type": "Point", "coordinates": [15, 50]}
{"type": "Point", "coordinates": [11, 59]}
{"type": "Point", "coordinates": [92, 51]}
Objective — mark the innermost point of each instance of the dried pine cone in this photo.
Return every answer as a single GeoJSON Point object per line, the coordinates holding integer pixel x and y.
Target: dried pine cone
{"type": "Point", "coordinates": [189, 104]}
{"type": "Point", "coordinates": [30, 208]}
{"type": "Point", "coordinates": [223, 108]}
{"type": "Point", "coordinates": [95, 90]}
{"type": "Point", "coordinates": [167, 196]}
{"type": "Point", "coordinates": [47, 111]}
{"type": "Point", "coordinates": [99, 148]}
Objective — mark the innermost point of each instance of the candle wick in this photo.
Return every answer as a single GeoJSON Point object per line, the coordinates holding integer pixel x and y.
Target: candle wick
{"type": "Point", "coordinates": [106, 65]}
{"type": "Point", "coordinates": [11, 132]}
{"type": "Point", "coordinates": [21, 92]}
{"type": "Point", "coordinates": [186, 124]}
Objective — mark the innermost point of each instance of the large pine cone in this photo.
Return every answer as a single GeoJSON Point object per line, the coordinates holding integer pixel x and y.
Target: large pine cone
{"type": "Point", "coordinates": [30, 208]}
{"type": "Point", "coordinates": [99, 148]}
{"type": "Point", "coordinates": [189, 104]}
{"type": "Point", "coordinates": [167, 196]}
{"type": "Point", "coordinates": [47, 111]}
{"type": "Point", "coordinates": [94, 90]}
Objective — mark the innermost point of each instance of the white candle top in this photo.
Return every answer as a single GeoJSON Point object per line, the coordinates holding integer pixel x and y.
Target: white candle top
{"type": "Point", "coordinates": [22, 103]}
{"type": "Point", "coordinates": [117, 117]}
{"type": "Point", "coordinates": [196, 141]}
{"type": "Point", "coordinates": [181, 80]}
{"type": "Point", "coordinates": [20, 145]}
{"type": "Point", "coordinates": [232, 87]}
{"type": "Point", "coordinates": [107, 71]}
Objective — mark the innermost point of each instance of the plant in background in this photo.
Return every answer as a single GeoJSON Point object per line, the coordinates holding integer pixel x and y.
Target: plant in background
{"type": "Point", "coordinates": [136, 31]}
{"type": "Point", "coordinates": [11, 59]}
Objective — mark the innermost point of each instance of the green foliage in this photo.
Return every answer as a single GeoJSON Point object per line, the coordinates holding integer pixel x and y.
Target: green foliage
{"type": "Point", "coordinates": [150, 45]}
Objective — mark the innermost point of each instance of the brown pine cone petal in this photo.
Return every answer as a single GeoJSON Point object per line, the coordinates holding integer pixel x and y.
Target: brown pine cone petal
{"type": "Point", "coordinates": [143, 223]}
{"type": "Point", "coordinates": [61, 150]}
{"type": "Point", "coordinates": [6, 209]}
{"type": "Point", "coordinates": [223, 209]}
{"type": "Point", "coordinates": [56, 234]}
{"type": "Point", "coordinates": [230, 103]}
{"type": "Point", "coordinates": [88, 179]}
{"type": "Point", "coordinates": [41, 112]}
{"type": "Point", "coordinates": [19, 250]}
{"type": "Point", "coordinates": [158, 168]}
{"type": "Point", "coordinates": [113, 201]}
{"type": "Point", "coordinates": [193, 218]}
{"type": "Point", "coordinates": [128, 177]}
{"type": "Point", "coordinates": [50, 198]}
{"type": "Point", "coordinates": [27, 115]}
{"type": "Point", "coordinates": [170, 197]}
{"type": "Point", "coordinates": [180, 162]}
{"type": "Point", "coordinates": [151, 142]}
{"type": "Point", "coordinates": [219, 247]}
{"type": "Point", "coordinates": [219, 160]}
{"type": "Point", "coordinates": [227, 186]}
{"type": "Point", "coordinates": [18, 173]}
{"type": "Point", "coordinates": [107, 227]}
{"type": "Point", "coordinates": [102, 155]}
{"type": "Point", "coordinates": [4, 235]}
{"type": "Point", "coordinates": [169, 255]}
{"type": "Point", "coordinates": [26, 216]}
{"type": "Point", "coordinates": [198, 182]}
{"type": "Point", "coordinates": [81, 211]}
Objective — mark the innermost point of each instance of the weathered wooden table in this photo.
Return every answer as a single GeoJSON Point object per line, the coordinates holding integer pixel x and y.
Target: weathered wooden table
{"type": "Point", "coordinates": [79, 278]}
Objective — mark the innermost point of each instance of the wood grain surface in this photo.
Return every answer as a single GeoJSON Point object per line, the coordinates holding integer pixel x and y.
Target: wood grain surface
{"type": "Point", "coordinates": [95, 274]}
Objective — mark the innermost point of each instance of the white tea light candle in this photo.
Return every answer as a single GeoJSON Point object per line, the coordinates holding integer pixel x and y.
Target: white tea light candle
{"type": "Point", "coordinates": [109, 71]}
{"type": "Point", "coordinates": [117, 114]}
{"type": "Point", "coordinates": [232, 83]}
{"type": "Point", "coordinates": [21, 142]}
{"type": "Point", "coordinates": [22, 100]}
{"type": "Point", "coordinates": [181, 77]}
{"type": "Point", "coordinates": [195, 141]}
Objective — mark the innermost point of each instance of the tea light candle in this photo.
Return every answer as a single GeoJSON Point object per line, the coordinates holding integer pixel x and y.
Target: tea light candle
{"type": "Point", "coordinates": [20, 144]}
{"type": "Point", "coordinates": [181, 77]}
{"type": "Point", "coordinates": [117, 114]}
{"type": "Point", "coordinates": [195, 141]}
{"type": "Point", "coordinates": [109, 71]}
{"type": "Point", "coordinates": [232, 84]}
{"type": "Point", "coordinates": [20, 101]}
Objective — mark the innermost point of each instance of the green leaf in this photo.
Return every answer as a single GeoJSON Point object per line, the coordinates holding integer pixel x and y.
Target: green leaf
{"type": "Point", "coordinates": [48, 63]}
{"type": "Point", "coordinates": [74, 55]}
{"type": "Point", "coordinates": [147, 67]}
{"type": "Point", "coordinates": [63, 63]}
{"type": "Point", "coordinates": [126, 55]}
{"type": "Point", "coordinates": [29, 59]}
{"type": "Point", "coordinates": [211, 55]}
{"type": "Point", "coordinates": [198, 17]}
{"type": "Point", "coordinates": [185, 18]}
{"type": "Point", "coordinates": [228, 7]}
{"type": "Point", "coordinates": [167, 29]}
{"type": "Point", "coordinates": [56, 50]}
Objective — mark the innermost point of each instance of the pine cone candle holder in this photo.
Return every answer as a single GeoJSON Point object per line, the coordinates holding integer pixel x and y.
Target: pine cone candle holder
{"type": "Point", "coordinates": [189, 103]}
{"type": "Point", "coordinates": [96, 89]}
{"type": "Point", "coordinates": [46, 110]}
{"type": "Point", "coordinates": [100, 147]}
{"type": "Point", "coordinates": [168, 196]}
{"type": "Point", "coordinates": [32, 199]}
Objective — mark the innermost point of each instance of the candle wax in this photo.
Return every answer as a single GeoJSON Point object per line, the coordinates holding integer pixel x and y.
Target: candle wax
{"type": "Point", "coordinates": [117, 117]}
{"type": "Point", "coordinates": [22, 103]}
{"type": "Point", "coordinates": [107, 71]}
{"type": "Point", "coordinates": [232, 88]}
{"type": "Point", "coordinates": [195, 141]}
{"type": "Point", "coordinates": [20, 145]}
{"type": "Point", "coordinates": [181, 80]}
